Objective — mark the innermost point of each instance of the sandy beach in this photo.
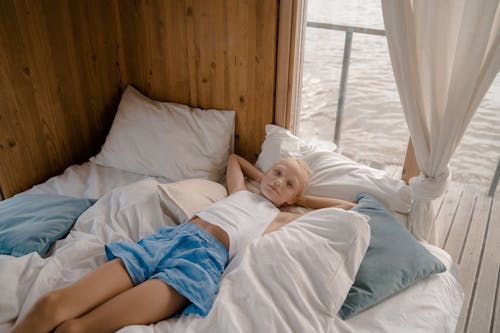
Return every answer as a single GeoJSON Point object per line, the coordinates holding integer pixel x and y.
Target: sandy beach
{"type": "Point", "coordinates": [374, 129]}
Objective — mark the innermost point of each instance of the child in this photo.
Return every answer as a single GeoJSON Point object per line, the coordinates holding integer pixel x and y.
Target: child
{"type": "Point", "coordinates": [177, 269]}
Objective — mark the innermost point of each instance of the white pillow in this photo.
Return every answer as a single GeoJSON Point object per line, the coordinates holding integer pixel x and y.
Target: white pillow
{"type": "Point", "coordinates": [334, 175]}
{"type": "Point", "coordinates": [181, 200]}
{"type": "Point", "coordinates": [167, 139]}
{"type": "Point", "coordinates": [280, 143]}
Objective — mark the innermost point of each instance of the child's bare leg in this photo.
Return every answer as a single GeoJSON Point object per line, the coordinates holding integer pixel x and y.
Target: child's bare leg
{"type": "Point", "coordinates": [147, 303]}
{"type": "Point", "coordinates": [78, 298]}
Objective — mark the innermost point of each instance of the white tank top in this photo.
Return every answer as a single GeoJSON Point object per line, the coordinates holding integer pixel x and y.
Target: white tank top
{"type": "Point", "coordinates": [243, 215]}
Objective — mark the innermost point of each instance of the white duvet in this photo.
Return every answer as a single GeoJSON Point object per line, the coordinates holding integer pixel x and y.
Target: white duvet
{"type": "Point", "coordinates": [292, 280]}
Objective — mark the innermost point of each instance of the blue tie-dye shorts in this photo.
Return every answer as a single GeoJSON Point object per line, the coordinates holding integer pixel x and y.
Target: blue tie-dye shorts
{"type": "Point", "coordinates": [186, 257]}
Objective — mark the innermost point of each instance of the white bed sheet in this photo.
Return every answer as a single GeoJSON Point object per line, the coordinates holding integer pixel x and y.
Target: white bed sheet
{"type": "Point", "coordinates": [432, 305]}
{"type": "Point", "coordinates": [88, 180]}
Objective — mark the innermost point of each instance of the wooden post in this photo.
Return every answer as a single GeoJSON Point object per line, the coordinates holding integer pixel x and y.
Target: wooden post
{"type": "Point", "coordinates": [289, 58]}
{"type": "Point", "coordinates": [410, 166]}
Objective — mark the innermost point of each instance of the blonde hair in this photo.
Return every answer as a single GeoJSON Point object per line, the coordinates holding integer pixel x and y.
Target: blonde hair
{"type": "Point", "coordinates": [305, 168]}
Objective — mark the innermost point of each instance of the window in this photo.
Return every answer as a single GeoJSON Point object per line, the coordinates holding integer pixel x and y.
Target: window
{"type": "Point", "coordinates": [374, 130]}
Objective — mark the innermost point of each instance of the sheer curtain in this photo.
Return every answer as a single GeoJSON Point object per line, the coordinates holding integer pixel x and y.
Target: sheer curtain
{"type": "Point", "coordinates": [445, 55]}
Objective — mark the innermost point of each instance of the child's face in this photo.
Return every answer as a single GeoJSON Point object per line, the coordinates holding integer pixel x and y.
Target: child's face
{"type": "Point", "coordinates": [283, 182]}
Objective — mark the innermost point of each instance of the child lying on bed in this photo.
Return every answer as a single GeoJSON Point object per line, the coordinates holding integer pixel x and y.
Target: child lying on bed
{"type": "Point", "coordinates": [177, 269]}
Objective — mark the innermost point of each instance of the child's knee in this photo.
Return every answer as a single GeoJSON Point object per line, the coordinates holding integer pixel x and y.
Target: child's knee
{"type": "Point", "coordinates": [50, 306]}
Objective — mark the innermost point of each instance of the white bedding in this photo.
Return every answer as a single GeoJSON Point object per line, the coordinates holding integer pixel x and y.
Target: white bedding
{"type": "Point", "coordinates": [254, 296]}
{"type": "Point", "coordinates": [88, 180]}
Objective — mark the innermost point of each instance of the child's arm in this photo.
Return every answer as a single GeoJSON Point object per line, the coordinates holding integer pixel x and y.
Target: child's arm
{"type": "Point", "coordinates": [311, 201]}
{"type": "Point", "coordinates": [237, 169]}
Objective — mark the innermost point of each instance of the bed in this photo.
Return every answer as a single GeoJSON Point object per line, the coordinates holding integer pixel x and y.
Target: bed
{"type": "Point", "coordinates": [305, 277]}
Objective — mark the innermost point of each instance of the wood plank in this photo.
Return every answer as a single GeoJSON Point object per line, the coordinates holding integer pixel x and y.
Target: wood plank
{"type": "Point", "coordinates": [170, 72]}
{"type": "Point", "coordinates": [209, 24]}
{"type": "Point", "coordinates": [482, 307]}
{"type": "Point", "coordinates": [469, 259]}
{"type": "Point", "coordinates": [496, 318]}
{"type": "Point", "coordinates": [285, 35]}
{"type": "Point", "coordinates": [237, 63]}
{"type": "Point", "coordinates": [461, 222]}
{"type": "Point", "coordinates": [232, 65]}
{"type": "Point", "coordinates": [101, 26]}
{"type": "Point", "coordinates": [68, 79]}
{"type": "Point", "coordinates": [134, 43]}
{"type": "Point", "coordinates": [41, 66]}
{"type": "Point", "coordinates": [295, 67]}
{"type": "Point", "coordinates": [154, 47]}
{"type": "Point", "coordinates": [9, 103]}
{"type": "Point", "coordinates": [410, 166]}
{"type": "Point", "coordinates": [446, 213]}
{"type": "Point", "coordinates": [191, 53]}
{"type": "Point", "coordinates": [86, 69]}
{"type": "Point", "coordinates": [22, 160]}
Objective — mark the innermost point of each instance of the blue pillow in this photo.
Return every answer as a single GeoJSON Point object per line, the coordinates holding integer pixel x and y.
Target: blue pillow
{"type": "Point", "coordinates": [33, 222]}
{"type": "Point", "coordinates": [393, 261]}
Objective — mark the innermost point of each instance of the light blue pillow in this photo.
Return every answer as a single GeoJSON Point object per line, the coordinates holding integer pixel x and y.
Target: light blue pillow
{"type": "Point", "coordinates": [393, 261]}
{"type": "Point", "coordinates": [33, 222]}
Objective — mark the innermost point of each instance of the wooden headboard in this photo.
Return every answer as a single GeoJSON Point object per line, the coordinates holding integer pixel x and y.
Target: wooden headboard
{"type": "Point", "coordinates": [64, 64]}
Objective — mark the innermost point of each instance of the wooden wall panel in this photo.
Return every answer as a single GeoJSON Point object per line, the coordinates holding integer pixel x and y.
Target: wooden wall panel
{"type": "Point", "coordinates": [153, 35]}
{"type": "Point", "coordinates": [59, 86]}
{"type": "Point", "coordinates": [64, 64]}
{"type": "Point", "coordinates": [232, 54]}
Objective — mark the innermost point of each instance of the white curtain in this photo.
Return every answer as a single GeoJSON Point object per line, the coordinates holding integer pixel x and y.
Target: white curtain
{"type": "Point", "coordinates": [445, 55]}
